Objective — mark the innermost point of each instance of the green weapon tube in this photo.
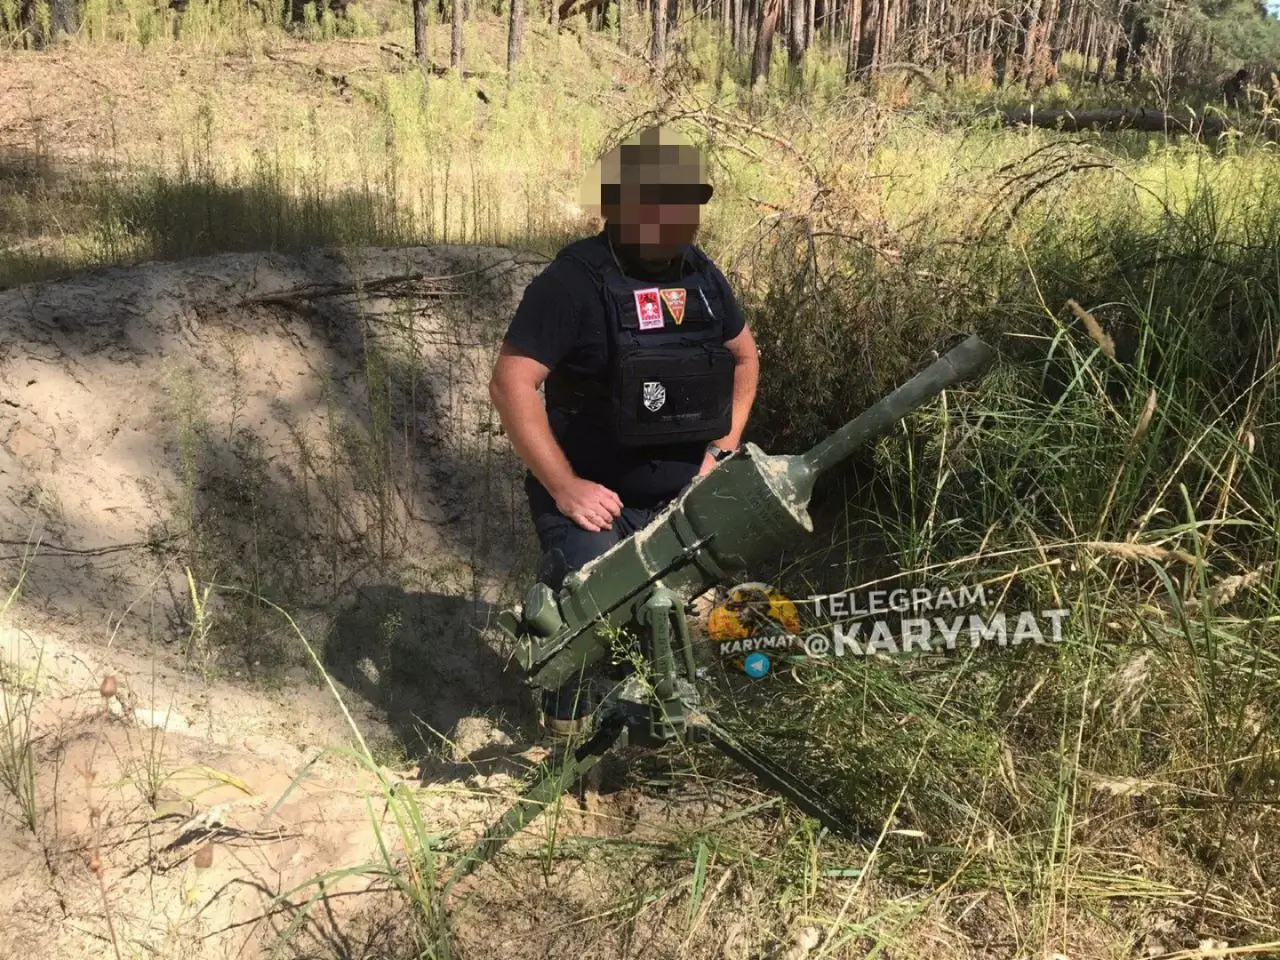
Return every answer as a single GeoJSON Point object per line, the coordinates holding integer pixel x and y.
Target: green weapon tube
{"type": "Point", "coordinates": [745, 512]}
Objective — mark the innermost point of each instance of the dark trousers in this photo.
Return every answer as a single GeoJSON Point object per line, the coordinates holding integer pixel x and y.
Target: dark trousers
{"type": "Point", "coordinates": [567, 547]}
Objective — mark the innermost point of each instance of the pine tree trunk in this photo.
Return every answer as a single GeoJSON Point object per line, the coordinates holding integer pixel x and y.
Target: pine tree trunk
{"type": "Point", "coordinates": [515, 30]}
{"type": "Point", "coordinates": [1045, 62]}
{"type": "Point", "coordinates": [1091, 43]}
{"type": "Point", "coordinates": [884, 37]}
{"type": "Point", "coordinates": [1138, 44]}
{"type": "Point", "coordinates": [658, 42]}
{"type": "Point", "coordinates": [1028, 40]}
{"type": "Point", "coordinates": [1006, 52]}
{"type": "Point", "coordinates": [420, 44]}
{"type": "Point", "coordinates": [889, 34]}
{"type": "Point", "coordinates": [987, 65]}
{"type": "Point", "coordinates": [1133, 30]}
{"type": "Point", "coordinates": [1122, 61]}
{"type": "Point", "coordinates": [868, 31]}
{"type": "Point", "coordinates": [767, 25]}
{"type": "Point", "coordinates": [455, 43]}
{"type": "Point", "coordinates": [795, 49]}
{"type": "Point", "coordinates": [1104, 61]}
{"type": "Point", "coordinates": [852, 65]}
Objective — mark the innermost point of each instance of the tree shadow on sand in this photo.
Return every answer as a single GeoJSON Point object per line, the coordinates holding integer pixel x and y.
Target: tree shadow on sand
{"type": "Point", "coordinates": [429, 661]}
{"type": "Point", "coordinates": [319, 439]}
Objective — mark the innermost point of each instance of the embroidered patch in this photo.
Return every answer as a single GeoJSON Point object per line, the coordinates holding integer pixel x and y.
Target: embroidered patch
{"type": "Point", "coordinates": [655, 395]}
{"type": "Point", "coordinates": [649, 309]}
{"type": "Point", "coordinates": [674, 298]}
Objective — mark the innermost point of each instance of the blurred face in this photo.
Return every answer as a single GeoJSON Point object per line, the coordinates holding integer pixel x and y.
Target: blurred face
{"type": "Point", "coordinates": [656, 220]}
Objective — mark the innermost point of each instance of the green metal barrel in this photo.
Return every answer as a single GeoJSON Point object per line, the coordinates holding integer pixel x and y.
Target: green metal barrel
{"type": "Point", "coordinates": [742, 514]}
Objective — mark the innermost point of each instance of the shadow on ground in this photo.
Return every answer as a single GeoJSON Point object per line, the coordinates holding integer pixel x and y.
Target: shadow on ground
{"type": "Point", "coordinates": [428, 661]}
{"type": "Point", "coordinates": [109, 215]}
{"type": "Point", "coordinates": [310, 430]}
{"type": "Point", "coordinates": [125, 217]}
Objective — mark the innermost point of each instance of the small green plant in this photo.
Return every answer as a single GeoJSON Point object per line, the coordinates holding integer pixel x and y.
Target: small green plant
{"type": "Point", "coordinates": [187, 401]}
{"type": "Point", "coordinates": [19, 689]}
{"type": "Point", "coordinates": [198, 648]}
{"type": "Point", "coordinates": [18, 763]}
{"type": "Point", "coordinates": [146, 765]}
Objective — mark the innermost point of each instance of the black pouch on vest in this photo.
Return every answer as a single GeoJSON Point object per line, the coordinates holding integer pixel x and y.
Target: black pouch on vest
{"type": "Point", "coordinates": [673, 387]}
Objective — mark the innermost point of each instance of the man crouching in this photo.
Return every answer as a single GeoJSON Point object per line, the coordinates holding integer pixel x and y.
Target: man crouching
{"type": "Point", "coordinates": [649, 369]}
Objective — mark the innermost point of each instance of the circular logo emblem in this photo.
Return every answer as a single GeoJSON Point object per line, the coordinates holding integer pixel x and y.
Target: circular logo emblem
{"type": "Point", "coordinates": [756, 665]}
{"type": "Point", "coordinates": [752, 610]}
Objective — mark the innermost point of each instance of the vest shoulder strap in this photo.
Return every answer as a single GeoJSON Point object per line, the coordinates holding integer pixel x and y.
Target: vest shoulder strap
{"type": "Point", "coordinates": [698, 257]}
{"type": "Point", "coordinates": [598, 258]}
{"type": "Point", "coordinates": [589, 252]}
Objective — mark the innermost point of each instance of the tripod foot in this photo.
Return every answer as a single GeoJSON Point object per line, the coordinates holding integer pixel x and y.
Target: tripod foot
{"type": "Point", "coordinates": [544, 792]}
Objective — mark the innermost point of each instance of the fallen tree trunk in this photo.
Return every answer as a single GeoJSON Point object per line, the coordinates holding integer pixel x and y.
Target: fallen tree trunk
{"type": "Point", "coordinates": [1137, 118]}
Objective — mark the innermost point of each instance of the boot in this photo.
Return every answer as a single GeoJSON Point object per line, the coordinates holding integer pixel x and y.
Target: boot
{"type": "Point", "coordinates": [567, 711]}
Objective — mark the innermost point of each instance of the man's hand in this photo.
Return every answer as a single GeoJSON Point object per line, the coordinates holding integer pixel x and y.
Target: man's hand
{"type": "Point", "coordinates": [745, 374]}
{"type": "Point", "coordinates": [514, 390]}
{"type": "Point", "coordinates": [590, 505]}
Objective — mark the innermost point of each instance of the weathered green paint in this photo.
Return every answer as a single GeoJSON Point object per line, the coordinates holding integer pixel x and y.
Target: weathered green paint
{"type": "Point", "coordinates": [742, 514]}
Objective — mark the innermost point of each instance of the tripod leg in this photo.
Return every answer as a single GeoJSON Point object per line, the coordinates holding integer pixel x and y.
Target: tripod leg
{"type": "Point", "coordinates": [539, 796]}
{"type": "Point", "coordinates": [780, 779]}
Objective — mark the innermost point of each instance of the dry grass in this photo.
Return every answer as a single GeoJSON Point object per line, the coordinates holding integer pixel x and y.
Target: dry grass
{"type": "Point", "coordinates": [1109, 797]}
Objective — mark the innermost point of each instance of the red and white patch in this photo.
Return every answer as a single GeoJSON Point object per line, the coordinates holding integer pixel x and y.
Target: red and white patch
{"type": "Point", "coordinates": [649, 309]}
{"type": "Point", "coordinates": [674, 298]}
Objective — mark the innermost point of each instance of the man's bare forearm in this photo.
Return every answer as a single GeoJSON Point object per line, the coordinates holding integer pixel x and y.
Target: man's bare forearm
{"type": "Point", "coordinates": [525, 419]}
{"type": "Point", "coordinates": [746, 377]}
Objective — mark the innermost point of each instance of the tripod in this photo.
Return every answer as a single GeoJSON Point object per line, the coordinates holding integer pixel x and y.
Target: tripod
{"type": "Point", "coordinates": [657, 705]}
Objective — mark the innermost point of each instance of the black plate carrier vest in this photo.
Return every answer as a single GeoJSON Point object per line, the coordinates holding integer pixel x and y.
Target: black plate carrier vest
{"type": "Point", "coordinates": [669, 377]}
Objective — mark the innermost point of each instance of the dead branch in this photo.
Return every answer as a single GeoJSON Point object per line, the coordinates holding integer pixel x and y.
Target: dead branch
{"type": "Point", "coordinates": [917, 71]}
{"type": "Point", "coordinates": [1135, 118]}
{"type": "Point", "coordinates": [715, 117]}
{"type": "Point", "coordinates": [424, 285]}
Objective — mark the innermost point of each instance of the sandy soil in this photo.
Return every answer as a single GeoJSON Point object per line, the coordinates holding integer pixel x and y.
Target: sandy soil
{"type": "Point", "coordinates": [252, 423]}
{"type": "Point", "coordinates": [225, 416]}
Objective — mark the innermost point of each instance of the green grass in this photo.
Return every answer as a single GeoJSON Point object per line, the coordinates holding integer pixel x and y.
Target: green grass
{"type": "Point", "coordinates": [19, 691]}
{"type": "Point", "coordinates": [1076, 788]}
{"type": "Point", "coordinates": [1134, 484]}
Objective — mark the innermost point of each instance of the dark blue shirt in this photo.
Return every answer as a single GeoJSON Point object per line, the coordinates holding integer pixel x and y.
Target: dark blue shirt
{"type": "Point", "coordinates": [561, 323]}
